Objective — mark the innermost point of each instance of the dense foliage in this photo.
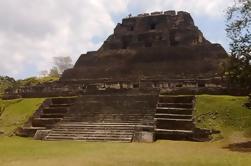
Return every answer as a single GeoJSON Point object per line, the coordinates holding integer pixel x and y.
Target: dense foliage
{"type": "Point", "coordinates": [238, 31]}
{"type": "Point", "coordinates": [8, 82]}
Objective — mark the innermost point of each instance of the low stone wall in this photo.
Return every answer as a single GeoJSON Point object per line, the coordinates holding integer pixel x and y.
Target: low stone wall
{"type": "Point", "coordinates": [44, 90]}
{"type": "Point", "coordinates": [108, 86]}
{"type": "Point", "coordinates": [109, 103]}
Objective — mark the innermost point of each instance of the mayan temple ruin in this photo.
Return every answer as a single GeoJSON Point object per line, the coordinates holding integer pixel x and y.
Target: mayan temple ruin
{"type": "Point", "coordinates": [157, 46]}
{"type": "Point", "coordinates": [138, 86]}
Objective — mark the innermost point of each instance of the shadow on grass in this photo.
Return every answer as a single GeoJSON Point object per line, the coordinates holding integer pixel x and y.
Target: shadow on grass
{"type": "Point", "coordinates": [240, 147]}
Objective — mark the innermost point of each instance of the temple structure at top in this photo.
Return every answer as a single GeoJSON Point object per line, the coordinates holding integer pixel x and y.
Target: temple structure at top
{"type": "Point", "coordinates": [160, 45]}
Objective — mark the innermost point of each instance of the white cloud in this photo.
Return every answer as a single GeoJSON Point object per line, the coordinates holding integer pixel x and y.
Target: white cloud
{"type": "Point", "coordinates": [34, 31]}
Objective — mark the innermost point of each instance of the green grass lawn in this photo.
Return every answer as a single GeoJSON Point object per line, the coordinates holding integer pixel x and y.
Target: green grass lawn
{"type": "Point", "coordinates": [16, 112]}
{"type": "Point", "coordinates": [26, 152]}
{"type": "Point", "coordinates": [224, 113]}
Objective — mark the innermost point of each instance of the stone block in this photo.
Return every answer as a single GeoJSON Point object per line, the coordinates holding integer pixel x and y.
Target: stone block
{"type": "Point", "coordinates": [1, 132]}
{"type": "Point", "coordinates": [144, 136]}
{"type": "Point", "coordinates": [170, 12]}
{"type": "Point", "coordinates": [41, 134]}
{"type": "Point", "coordinates": [156, 13]}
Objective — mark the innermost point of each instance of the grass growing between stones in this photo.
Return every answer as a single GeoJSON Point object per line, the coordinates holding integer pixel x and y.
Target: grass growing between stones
{"type": "Point", "coordinates": [224, 113]}
{"type": "Point", "coordinates": [14, 113]}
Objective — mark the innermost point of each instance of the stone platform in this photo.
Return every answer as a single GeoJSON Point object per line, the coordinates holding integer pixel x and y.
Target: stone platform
{"type": "Point", "coordinates": [113, 117]}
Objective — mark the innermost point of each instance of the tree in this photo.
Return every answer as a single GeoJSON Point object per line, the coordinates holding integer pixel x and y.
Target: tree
{"type": "Point", "coordinates": [54, 72]}
{"type": "Point", "coordinates": [43, 73]}
{"type": "Point", "coordinates": [62, 63]}
{"type": "Point", "coordinates": [5, 83]}
{"type": "Point", "coordinates": [238, 31]}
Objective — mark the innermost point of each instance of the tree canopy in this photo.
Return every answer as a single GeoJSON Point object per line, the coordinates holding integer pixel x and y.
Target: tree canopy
{"type": "Point", "coordinates": [238, 31]}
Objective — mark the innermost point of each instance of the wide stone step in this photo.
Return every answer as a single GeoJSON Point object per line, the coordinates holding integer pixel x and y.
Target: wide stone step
{"type": "Point", "coordinates": [174, 134]}
{"type": "Point", "coordinates": [173, 131]}
{"type": "Point", "coordinates": [176, 99]}
{"type": "Point", "coordinates": [29, 131]}
{"type": "Point", "coordinates": [60, 125]}
{"type": "Point", "coordinates": [81, 124]}
{"type": "Point", "coordinates": [167, 110]}
{"type": "Point", "coordinates": [172, 119]}
{"type": "Point", "coordinates": [173, 116]}
{"type": "Point", "coordinates": [61, 105]}
{"type": "Point", "coordinates": [175, 124]}
{"type": "Point", "coordinates": [120, 135]}
{"type": "Point", "coordinates": [109, 114]}
{"type": "Point", "coordinates": [97, 124]}
{"type": "Point", "coordinates": [54, 115]}
{"type": "Point", "coordinates": [96, 127]}
{"type": "Point", "coordinates": [45, 122]}
{"type": "Point", "coordinates": [91, 131]}
{"type": "Point", "coordinates": [117, 113]}
{"type": "Point", "coordinates": [176, 105]}
{"type": "Point", "coordinates": [51, 138]}
{"type": "Point", "coordinates": [51, 110]}
{"type": "Point", "coordinates": [107, 120]}
{"type": "Point", "coordinates": [63, 100]}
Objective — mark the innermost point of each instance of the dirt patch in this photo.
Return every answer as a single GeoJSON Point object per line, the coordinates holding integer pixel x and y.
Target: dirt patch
{"type": "Point", "coordinates": [240, 147]}
{"type": "Point", "coordinates": [1, 110]}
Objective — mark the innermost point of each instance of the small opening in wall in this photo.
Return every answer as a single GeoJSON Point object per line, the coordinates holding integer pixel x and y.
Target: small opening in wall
{"type": "Point", "coordinates": [148, 44]}
{"type": "Point", "coordinates": [179, 86]}
{"type": "Point", "coordinates": [131, 28]}
{"type": "Point", "coordinates": [125, 45]}
{"type": "Point", "coordinates": [201, 85]}
{"type": "Point", "coordinates": [135, 85]}
{"type": "Point", "coordinates": [155, 85]}
{"type": "Point", "coordinates": [173, 42]}
{"type": "Point", "coordinates": [153, 26]}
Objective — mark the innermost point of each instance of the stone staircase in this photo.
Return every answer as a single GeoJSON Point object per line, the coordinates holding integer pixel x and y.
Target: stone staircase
{"type": "Point", "coordinates": [105, 118]}
{"type": "Point", "coordinates": [174, 117]}
{"type": "Point", "coordinates": [50, 113]}
{"type": "Point", "coordinates": [121, 132]}
{"type": "Point", "coordinates": [119, 118]}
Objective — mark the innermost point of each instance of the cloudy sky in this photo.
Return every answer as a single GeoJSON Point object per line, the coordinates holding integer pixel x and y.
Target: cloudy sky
{"type": "Point", "coordinates": [32, 32]}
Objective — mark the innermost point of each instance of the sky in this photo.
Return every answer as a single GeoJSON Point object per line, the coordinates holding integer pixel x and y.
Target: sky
{"type": "Point", "coordinates": [32, 32]}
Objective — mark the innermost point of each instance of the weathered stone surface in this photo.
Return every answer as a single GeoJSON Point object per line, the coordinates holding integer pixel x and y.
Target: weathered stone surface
{"type": "Point", "coordinates": [159, 45]}
{"type": "Point", "coordinates": [144, 136]}
{"type": "Point", "coordinates": [114, 117]}
{"type": "Point", "coordinates": [46, 117]}
{"type": "Point", "coordinates": [41, 134]}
